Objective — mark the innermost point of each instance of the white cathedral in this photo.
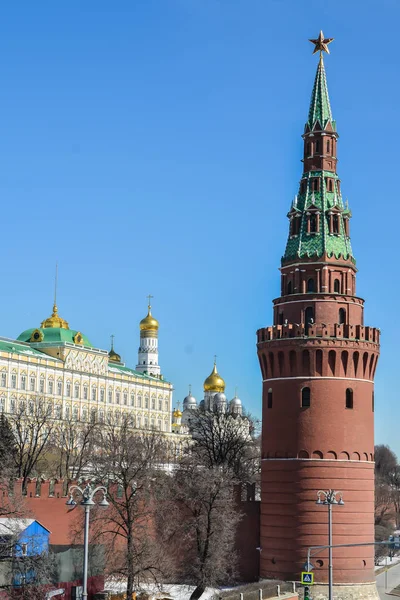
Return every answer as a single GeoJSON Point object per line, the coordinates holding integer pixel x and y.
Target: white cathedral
{"type": "Point", "coordinates": [214, 401]}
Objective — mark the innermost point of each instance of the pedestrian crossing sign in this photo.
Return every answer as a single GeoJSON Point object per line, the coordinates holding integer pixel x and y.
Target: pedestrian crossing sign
{"type": "Point", "coordinates": [307, 578]}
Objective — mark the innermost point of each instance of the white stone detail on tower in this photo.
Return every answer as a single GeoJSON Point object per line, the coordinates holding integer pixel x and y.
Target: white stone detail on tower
{"type": "Point", "coordinates": [148, 349]}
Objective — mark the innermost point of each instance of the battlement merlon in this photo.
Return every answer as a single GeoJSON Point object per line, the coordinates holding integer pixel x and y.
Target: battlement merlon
{"type": "Point", "coordinates": [359, 333]}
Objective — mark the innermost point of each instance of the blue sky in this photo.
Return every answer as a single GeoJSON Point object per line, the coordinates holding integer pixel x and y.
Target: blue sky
{"type": "Point", "coordinates": [153, 146]}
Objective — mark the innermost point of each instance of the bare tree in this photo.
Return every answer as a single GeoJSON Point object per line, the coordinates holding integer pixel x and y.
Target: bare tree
{"type": "Point", "coordinates": [224, 439]}
{"type": "Point", "coordinates": [204, 523]}
{"type": "Point", "coordinates": [385, 463]}
{"type": "Point", "coordinates": [128, 461]}
{"type": "Point", "coordinates": [32, 427]}
{"type": "Point", "coordinates": [70, 450]}
{"type": "Point", "coordinates": [8, 450]}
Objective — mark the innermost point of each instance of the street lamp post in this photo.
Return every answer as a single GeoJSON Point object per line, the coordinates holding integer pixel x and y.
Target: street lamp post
{"type": "Point", "coordinates": [87, 493]}
{"type": "Point", "coordinates": [328, 499]}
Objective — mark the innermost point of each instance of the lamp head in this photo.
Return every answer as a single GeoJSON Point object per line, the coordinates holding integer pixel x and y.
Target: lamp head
{"type": "Point", "coordinates": [103, 503]}
{"type": "Point", "coordinates": [341, 502]}
{"type": "Point", "coordinates": [87, 502]}
{"type": "Point", "coordinates": [70, 501]}
{"type": "Point", "coordinates": [319, 501]}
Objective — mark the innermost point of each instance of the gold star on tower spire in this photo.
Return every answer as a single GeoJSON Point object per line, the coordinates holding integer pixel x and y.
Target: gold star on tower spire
{"type": "Point", "coordinates": [321, 43]}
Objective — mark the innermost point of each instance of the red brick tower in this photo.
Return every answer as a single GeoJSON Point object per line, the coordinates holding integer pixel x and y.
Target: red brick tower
{"type": "Point", "coordinates": [318, 362]}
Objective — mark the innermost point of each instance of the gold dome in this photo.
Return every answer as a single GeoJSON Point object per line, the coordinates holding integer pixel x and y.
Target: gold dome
{"type": "Point", "coordinates": [177, 413]}
{"type": "Point", "coordinates": [214, 382]}
{"type": "Point", "coordinates": [113, 356]}
{"type": "Point", "coordinates": [149, 323]}
{"type": "Point", "coordinates": [55, 320]}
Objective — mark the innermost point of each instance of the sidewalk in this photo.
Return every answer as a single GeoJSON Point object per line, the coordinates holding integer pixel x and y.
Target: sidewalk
{"type": "Point", "coordinates": [388, 580]}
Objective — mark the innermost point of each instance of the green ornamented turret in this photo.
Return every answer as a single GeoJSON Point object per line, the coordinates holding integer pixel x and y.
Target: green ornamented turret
{"type": "Point", "coordinates": [319, 220]}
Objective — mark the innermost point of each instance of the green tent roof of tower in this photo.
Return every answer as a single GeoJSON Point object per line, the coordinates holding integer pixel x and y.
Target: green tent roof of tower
{"type": "Point", "coordinates": [321, 243]}
{"type": "Point", "coordinates": [320, 107]}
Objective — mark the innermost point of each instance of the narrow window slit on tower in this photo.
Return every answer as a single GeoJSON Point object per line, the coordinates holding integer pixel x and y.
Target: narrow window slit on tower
{"type": "Point", "coordinates": [349, 398]}
{"type": "Point", "coordinates": [269, 398]}
{"type": "Point", "coordinates": [305, 397]}
{"type": "Point", "coordinates": [335, 224]}
{"type": "Point", "coordinates": [313, 223]}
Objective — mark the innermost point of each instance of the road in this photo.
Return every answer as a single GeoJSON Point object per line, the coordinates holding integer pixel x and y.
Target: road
{"type": "Point", "coordinates": [393, 580]}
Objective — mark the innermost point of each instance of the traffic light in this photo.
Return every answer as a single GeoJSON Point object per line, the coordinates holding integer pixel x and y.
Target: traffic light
{"type": "Point", "coordinates": [307, 593]}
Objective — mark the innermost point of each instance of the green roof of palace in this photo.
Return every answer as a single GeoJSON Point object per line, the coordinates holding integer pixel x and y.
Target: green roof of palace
{"type": "Point", "coordinates": [320, 107]}
{"type": "Point", "coordinates": [54, 334]}
{"type": "Point", "coordinates": [13, 346]}
{"type": "Point", "coordinates": [133, 372]}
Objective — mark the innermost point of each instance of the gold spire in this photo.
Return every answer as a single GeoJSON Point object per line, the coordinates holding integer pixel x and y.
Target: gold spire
{"type": "Point", "coordinates": [321, 44]}
{"type": "Point", "coordinates": [149, 323]}
{"type": "Point", "coordinates": [55, 320]}
{"type": "Point", "coordinates": [214, 382]}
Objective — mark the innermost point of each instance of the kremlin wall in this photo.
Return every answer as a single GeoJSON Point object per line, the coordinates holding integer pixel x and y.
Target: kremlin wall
{"type": "Point", "coordinates": [45, 501]}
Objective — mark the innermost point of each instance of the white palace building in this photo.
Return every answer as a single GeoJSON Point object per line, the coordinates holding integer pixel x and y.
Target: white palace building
{"type": "Point", "coordinates": [55, 366]}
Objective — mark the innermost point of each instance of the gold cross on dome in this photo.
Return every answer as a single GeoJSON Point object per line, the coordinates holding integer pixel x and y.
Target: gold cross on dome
{"type": "Point", "coordinates": [149, 297]}
{"type": "Point", "coordinates": [321, 43]}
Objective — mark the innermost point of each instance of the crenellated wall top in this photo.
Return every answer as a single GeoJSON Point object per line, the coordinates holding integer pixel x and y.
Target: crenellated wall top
{"type": "Point", "coordinates": [319, 330]}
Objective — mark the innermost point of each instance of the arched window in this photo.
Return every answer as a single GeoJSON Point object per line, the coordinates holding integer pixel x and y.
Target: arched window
{"type": "Point", "coordinates": [342, 316]}
{"type": "Point", "coordinates": [269, 398]}
{"type": "Point", "coordinates": [289, 287]}
{"type": "Point", "coordinates": [349, 398]}
{"type": "Point", "coordinates": [330, 185]}
{"type": "Point", "coordinates": [315, 184]}
{"type": "Point", "coordinates": [308, 149]}
{"type": "Point", "coordinates": [313, 223]}
{"type": "Point", "coordinates": [310, 285]}
{"type": "Point", "coordinates": [336, 225]}
{"type": "Point", "coordinates": [317, 146]}
{"type": "Point", "coordinates": [336, 286]}
{"type": "Point", "coordinates": [328, 146]}
{"type": "Point", "coordinates": [305, 397]}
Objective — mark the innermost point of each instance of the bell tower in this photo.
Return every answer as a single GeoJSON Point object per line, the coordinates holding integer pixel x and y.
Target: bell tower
{"type": "Point", "coordinates": [318, 363]}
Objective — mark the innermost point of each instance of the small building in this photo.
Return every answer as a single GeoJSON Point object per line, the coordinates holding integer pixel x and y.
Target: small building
{"type": "Point", "coordinates": [21, 541]}
{"type": "Point", "coordinates": [23, 537]}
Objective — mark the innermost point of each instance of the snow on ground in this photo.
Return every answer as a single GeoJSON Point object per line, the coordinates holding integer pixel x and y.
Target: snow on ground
{"type": "Point", "coordinates": [386, 561]}
{"type": "Point", "coordinates": [173, 591]}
